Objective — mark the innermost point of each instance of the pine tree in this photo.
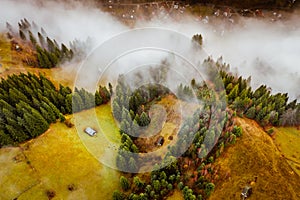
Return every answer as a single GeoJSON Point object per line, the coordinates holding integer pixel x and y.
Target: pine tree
{"type": "Point", "coordinates": [198, 39]}
{"type": "Point", "coordinates": [40, 57]}
{"type": "Point", "coordinates": [16, 96]}
{"type": "Point", "coordinates": [132, 164]}
{"type": "Point", "coordinates": [88, 99]}
{"type": "Point", "coordinates": [41, 40]}
{"type": "Point", "coordinates": [53, 59]}
{"type": "Point", "coordinates": [210, 139]}
{"type": "Point", "coordinates": [22, 35]}
{"type": "Point", "coordinates": [116, 111]}
{"type": "Point", "coordinates": [104, 94]}
{"type": "Point", "coordinates": [62, 117]}
{"type": "Point", "coordinates": [43, 32]}
{"type": "Point", "coordinates": [124, 183]}
{"type": "Point", "coordinates": [233, 93]}
{"type": "Point", "coordinates": [50, 45]}
{"type": "Point", "coordinates": [5, 139]}
{"type": "Point", "coordinates": [7, 114]}
{"type": "Point", "coordinates": [77, 103]}
{"type": "Point", "coordinates": [35, 124]}
{"type": "Point", "coordinates": [32, 38]}
{"type": "Point", "coordinates": [138, 183]}
{"type": "Point", "coordinates": [121, 163]}
{"type": "Point", "coordinates": [110, 88]}
{"type": "Point", "coordinates": [134, 148]}
{"type": "Point", "coordinates": [98, 99]}
{"type": "Point", "coordinates": [156, 185]}
{"type": "Point", "coordinates": [64, 91]}
{"type": "Point", "coordinates": [45, 115]}
{"type": "Point", "coordinates": [47, 63]}
{"type": "Point", "coordinates": [117, 195]}
{"type": "Point", "coordinates": [126, 115]}
{"type": "Point", "coordinates": [16, 134]}
{"type": "Point", "coordinates": [135, 128]}
{"type": "Point", "coordinates": [69, 103]}
{"type": "Point", "coordinates": [4, 104]}
{"type": "Point", "coordinates": [125, 127]}
{"type": "Point", "coordinates": [144, 119]}
{"type": "Point", "coordinates": [48, 113]}
{"type": "Point", "coordinates": [209, 188]}
{"type": "Point", "coordinates": [9, 27]}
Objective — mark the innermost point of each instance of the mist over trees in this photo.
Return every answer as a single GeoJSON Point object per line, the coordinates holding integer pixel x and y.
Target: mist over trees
{"type": "Point", "coordinates": [260, 104]}
{"type": "Point", "coordinates": [198, 143]}
{"type": "Point", "coordinates": [198, 135]}
{"type": "Point", "coordinates": [49, 53]}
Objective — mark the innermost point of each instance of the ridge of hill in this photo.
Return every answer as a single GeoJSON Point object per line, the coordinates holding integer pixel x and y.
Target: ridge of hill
{"type": "Point", "coordinates": [255, 160]}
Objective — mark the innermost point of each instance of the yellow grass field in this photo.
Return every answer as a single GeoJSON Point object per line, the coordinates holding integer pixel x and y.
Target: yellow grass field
{"type": "Point", "coordinates": [255, 160]}
{"type": "Point", "coordinates": [5, 54]}
{"type": "Point", "coordinates": [177, 195]}
{"type": "Point", "coordinates": [287, 140]}
{"type": "Point", "coordinates": [58, 159]}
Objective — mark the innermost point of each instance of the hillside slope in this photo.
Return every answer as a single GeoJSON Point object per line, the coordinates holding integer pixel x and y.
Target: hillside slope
{"type": "Point", "coordinates": [287, 140]}
{"type": "Point", "coordinates": [255, 160]}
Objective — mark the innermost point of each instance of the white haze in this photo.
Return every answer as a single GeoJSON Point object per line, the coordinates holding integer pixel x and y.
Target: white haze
{"type": "Point", "coordinates": [268, 52]}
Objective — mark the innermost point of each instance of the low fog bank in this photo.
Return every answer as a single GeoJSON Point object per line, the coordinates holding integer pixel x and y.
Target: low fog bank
{"type": "Point", "coordinates": [64, 22]}
{"type": "Point", "coordinates": [267, 51]}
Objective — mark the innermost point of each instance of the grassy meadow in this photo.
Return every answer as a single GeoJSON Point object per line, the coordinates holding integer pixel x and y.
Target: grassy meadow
{"type": "Point", "coordinates": [255, 160]}
{"type": "Point", "coordinates": [287, 139]}
{"type": "Point", "coordinates": [60, 162]}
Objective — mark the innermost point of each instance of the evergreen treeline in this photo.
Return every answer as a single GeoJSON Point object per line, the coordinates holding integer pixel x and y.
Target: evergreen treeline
{"type": "Point", "coordinates": [126, 159]}
{"type": "Point", "coordinates": [259, 104]}
{"type": "Point", "coordinates": [48, 52]}
{"type": "Point", "coordinates": [130, 109]}
{"type": "Point", "coordinates": [51, 55]}
{"type": "Point", "coordinates": [161, 183]}
{"type": "Point", "coordinates": [163, 180]}
{"type": "Point", "coordinates": [197, 136]}
{"type": "Point", "coordinates": [29, 103]}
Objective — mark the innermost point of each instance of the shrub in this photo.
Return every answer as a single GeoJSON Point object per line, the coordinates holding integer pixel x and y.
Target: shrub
{"type": "Point", "coordinates": [270, 131]}
{"type": "Point", "coordinates": [50, 194]}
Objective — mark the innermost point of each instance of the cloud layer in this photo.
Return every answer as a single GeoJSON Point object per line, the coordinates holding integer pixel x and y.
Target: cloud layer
{"type": "Point", "coordinates": [268, 52]}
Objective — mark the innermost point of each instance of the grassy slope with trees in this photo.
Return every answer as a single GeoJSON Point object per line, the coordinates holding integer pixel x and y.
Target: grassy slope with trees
{"type": "Point", "coordinates": [57, 162]}
{"type": "Point", "coordinates": [29, 103]}
{"type": "Point", "coordinates": [47, 53]}
{"type": "Point", "coordinates": [198, 182]}
{"type": "Point", "coordinates": [20, 110]}
{"type": "Point", "coordinates": [254, 160]}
